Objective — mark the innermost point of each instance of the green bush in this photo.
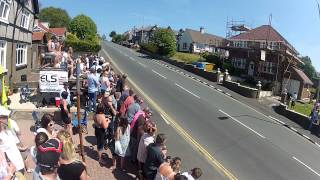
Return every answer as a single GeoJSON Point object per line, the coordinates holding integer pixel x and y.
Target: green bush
{"type": "Point", "coordinates": [228, 66]}
{"type": "Point", "coordinates": [72, 37]}
{"type": "Point", "coordinates": [83, 46]}
{"type": "Point", "coordinates": [150, 47]}
{"type": "Point", "coordinates": [213, 58]}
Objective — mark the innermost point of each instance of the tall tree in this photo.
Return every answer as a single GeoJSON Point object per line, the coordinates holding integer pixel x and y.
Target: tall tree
{"type": "Point", "coordinates": [308, 68]}
{"type": "Point", "coordinates": [56, 17]}
{"type": "Point", "coordinates": [112, 34]}
{"type": "Point", "coordinates": [165, 40]}
{"type": "Point", "coordinates": [83, 27]}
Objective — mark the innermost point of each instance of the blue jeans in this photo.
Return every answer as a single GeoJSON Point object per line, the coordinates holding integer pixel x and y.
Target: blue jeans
{"type": "Point", "coordinates": [92, 101]}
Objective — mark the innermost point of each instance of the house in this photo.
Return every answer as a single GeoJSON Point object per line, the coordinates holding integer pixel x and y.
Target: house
{"type": "Point", "coordinates": [16, 25]}
{"type": "Point", "coordinates": [264, 54]}
{"type": "Point", "coordinates": [144, 34]}
{"type": "Point", "coordinates": [60, 33]}
{"type": "Point", "coordinates": [198, 41]}
{"type": "Point", "coordinates": [297, 82]}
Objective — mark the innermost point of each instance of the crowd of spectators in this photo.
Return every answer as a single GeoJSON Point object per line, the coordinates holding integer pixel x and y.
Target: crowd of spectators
{"type": "Point", "coordinates": [123, 123]}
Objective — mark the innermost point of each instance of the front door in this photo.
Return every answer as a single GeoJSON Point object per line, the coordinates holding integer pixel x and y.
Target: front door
{"type": "Point", "coordinates": [251, 69]}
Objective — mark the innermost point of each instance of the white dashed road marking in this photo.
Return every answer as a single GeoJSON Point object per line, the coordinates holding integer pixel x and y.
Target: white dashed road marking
{"type": "Point", "coordinates": [306, 166]}
{"type": "Point", "coordinates": [159, 74]}
{"type": "Point", "coordinates": [188, 91]}
{"type": "Point", "coordinates": [242, 124]}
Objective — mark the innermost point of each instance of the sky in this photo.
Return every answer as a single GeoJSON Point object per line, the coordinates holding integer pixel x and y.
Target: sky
{"type": "Point", "coordinates": [297, 20]}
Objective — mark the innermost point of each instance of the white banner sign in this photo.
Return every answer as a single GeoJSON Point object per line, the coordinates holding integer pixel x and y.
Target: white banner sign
{"type": "Point", "coordinates": [52, 81]}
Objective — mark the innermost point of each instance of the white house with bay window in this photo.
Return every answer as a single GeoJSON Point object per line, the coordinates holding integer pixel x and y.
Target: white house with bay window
{"type": "Point", "coordinates": [16, 26]}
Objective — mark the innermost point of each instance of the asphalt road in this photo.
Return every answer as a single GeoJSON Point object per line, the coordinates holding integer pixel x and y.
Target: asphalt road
{"type": "Point", "coordinates": [245, 141]}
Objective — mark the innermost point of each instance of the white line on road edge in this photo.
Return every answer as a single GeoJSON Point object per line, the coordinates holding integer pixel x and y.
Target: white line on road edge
{"type": "Point", "coordinates": [165, 120]}
{"type": "Point", "coordinates": [188, 91]}
{"type": "Point", "coordinates": [293, 129]}
{"type": "Point", "coordinates": [159, 74]}
{"type": "Point", "coordinates": [306, 136]}
{"type": "Point", "coordinates": [277, 120]}
{"type": "Point", "coordinates": [317, 144]}
{"type": "Point", "coordinates": [242, 124]}
{"type": "Point", "coordinates": [306, 165]}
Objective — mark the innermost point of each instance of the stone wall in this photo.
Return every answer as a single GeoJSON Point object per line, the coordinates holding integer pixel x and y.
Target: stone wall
{"type": "Point", "coordinates": [243, 90]}
{"type": "Point", "coordinates": [296, 117]}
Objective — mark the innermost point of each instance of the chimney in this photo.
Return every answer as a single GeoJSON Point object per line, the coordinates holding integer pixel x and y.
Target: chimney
{"type": "Point", "coordinates": [202, 30]}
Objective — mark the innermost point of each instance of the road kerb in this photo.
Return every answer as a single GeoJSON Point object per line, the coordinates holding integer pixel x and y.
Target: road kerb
{"type": "Point", "coordinates": [178, 128]}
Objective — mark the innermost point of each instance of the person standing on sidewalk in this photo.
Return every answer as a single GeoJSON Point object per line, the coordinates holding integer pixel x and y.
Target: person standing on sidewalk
{"type": "Point", "coordinates": [66, 88]}
{"type": "Point", "coordinates": [9, 141]}
{"type": "Point", "coordinates": [122, 139]}
{"type": "Point", "coordinates": [93, 88]}
{"type": "Point", "coordinates": [101, 123]}
{"type": "Point", "coordinates": [156, 154]}
{"type": "Point", "coordinates": [314, 114]}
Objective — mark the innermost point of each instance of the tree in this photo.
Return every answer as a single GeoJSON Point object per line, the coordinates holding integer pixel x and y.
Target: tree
{"type": "Point", "coordinates": [112, 34]}
{"type": "Point", "coordinates": [56, 17]}
{"type": "Point", "coordinates": [165, 40]}
{"type": "Point", "coordinates": [118, 38]}
{"type": "Point", "coordinates": [308, 68]}
{"type": "Point", "coordinates": [83, 27]}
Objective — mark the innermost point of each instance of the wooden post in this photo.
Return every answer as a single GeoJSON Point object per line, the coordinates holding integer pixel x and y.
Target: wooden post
{"type": "Point", "coordinates": [78, 112]}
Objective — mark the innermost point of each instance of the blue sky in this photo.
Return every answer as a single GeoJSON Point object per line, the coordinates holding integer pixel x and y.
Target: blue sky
{"type": "Point", "coordinates": [297, 20]}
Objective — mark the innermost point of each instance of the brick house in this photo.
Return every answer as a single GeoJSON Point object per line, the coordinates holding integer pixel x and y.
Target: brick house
{"type": "Point", "coordinates": [16, 25]}
{"type": "Point", "coordinates": [143, 34]}
{"type": "Point", "coordinates": [264, 54]}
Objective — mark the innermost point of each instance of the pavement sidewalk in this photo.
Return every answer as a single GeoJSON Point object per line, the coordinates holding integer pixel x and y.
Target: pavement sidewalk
{"type": "Point", "coordinates": [95, 171]}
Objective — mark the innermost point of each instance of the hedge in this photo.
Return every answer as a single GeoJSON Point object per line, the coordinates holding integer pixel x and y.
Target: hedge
{"type": "Point", "coordinates": [83, 46]}
{"type": "Point", "coordinates": [150, 47]}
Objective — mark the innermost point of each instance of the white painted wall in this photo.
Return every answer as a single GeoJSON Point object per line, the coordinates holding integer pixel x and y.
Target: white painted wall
{"type": "Point", "coordinates": [185, 38]}
{"type": "Point", "coordinates": [199, 48]}
{"type": "Point", "coordinates": [291, 85]}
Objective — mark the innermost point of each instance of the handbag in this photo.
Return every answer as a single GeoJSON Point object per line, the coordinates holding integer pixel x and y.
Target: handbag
{"type": "Point", "coordinates": [117, 148]}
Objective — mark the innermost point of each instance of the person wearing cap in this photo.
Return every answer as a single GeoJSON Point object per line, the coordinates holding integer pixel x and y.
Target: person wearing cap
{"type": "Point", "coordinates": [9, 141]}
{"type": "Point", "coordinates": [48, 155]}
{"type": "Point", "coordinates": [66, 88]}
{"type": "Point", "coordinates": [93, 88]}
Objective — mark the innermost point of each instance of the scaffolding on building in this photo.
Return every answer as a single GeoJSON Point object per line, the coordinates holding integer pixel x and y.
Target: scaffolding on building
{"type": "Point", "coordinates": [234, 28]}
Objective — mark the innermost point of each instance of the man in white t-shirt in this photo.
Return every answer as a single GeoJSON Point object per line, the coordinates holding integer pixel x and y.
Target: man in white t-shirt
{"type": "Point", "coordinates": [9, 141]}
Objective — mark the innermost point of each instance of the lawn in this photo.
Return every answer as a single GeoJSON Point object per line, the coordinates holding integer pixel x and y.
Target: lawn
{"type": "Point", "coordinates": [186, 57]}
{"type": "Point", "coordinates": [303, 108]}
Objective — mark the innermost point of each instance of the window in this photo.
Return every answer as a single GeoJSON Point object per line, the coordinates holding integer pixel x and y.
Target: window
{"type": "Point", "coordinates": [267, 67]}
{"type": "Point", "coordinates": [240, 63]}
{"type": "Point", "coordinates": [4, 9]}
{"type": "Point", "coordinates": [21, 53]}
{"type": "Point", "coordinates": [3, 52]}
{"type": "Point", "coordinates": [184, 46]}
{"type": "Point", "coordinates": [240, 44]}
{"type": "Point", "coordinates": [263, 45]}
{"type": "Point", "coordinates": [25, 19]}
